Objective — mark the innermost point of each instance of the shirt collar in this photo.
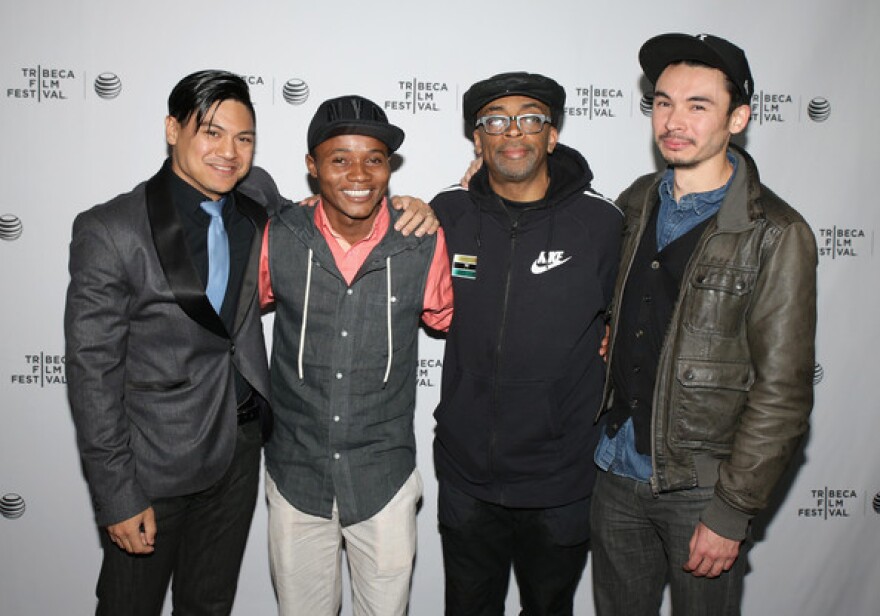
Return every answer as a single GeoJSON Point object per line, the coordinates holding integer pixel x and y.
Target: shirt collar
{"type": "Point", "coordinates": [380, 225]}
{"type": "Point", "coordinates": [187, 199]}
{"type": "Point", "coordinates": [698, 202]}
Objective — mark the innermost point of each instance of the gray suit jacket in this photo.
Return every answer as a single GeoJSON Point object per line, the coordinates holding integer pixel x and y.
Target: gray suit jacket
{"type": "Point", "coordinates": [149, 363]}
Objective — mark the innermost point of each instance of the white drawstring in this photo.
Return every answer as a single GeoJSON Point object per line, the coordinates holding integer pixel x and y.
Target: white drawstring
{"type": "Point", "coordinates": [302, 331]}
{"type": "Point", "coordinates": [388, 299]}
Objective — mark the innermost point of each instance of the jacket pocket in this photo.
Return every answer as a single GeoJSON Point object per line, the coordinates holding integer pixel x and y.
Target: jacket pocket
{"type": "Point", "coordinates": [156, 385]}
{"type": "Point", "coordinates": [707, 402]}
{"type": "Point", "coordinates": [717, 299]}
{"type": "Point", "coordinates": [463, 424]}
{"type": "Point", "coordinates": [527, 430]}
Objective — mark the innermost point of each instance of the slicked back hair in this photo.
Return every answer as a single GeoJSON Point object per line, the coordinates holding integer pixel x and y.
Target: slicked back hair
{"type": "Point", "coordinates": [196, 93]}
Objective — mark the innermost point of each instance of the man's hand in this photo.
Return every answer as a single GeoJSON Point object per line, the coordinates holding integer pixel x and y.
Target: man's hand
{"type": "Point", "coordinates": [136, 535]}
{"type": "Point", "coordinates": [711, 554]}
{"type": "Point", "coordinates": [471, 170]}
{"type": "Point", "coordinates": [417, 216]}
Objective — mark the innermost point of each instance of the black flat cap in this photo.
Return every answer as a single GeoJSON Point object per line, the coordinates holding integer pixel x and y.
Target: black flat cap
{"type": "Point", "coordinates": [532, 85]}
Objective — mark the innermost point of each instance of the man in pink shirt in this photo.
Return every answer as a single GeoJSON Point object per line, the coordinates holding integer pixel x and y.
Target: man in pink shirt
{"type": "Point", "coordinates": [349, 292]}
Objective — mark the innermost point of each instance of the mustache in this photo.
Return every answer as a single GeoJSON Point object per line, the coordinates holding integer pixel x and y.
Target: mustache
{"type": "Point", "coordinates": [517, 146]}
{"type": "Point", "coordinates": [676, 136]}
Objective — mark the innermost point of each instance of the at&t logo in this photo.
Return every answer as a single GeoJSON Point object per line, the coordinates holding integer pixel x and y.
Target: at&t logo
{"type": "Point", "coordinates": [108, 85]}
{"type": "Point", "coordinates": [295, 91]}
{"type": "Point", "coordinates": [11, 506]}
{"type": "Point", "coordinates": [10, 227]}
{"type": "Point", "coordinates": [819, 109]}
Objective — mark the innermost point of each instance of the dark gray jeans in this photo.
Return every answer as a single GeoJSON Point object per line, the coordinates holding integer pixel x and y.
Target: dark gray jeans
{"type": "Point", "coordinates": [640, 543]}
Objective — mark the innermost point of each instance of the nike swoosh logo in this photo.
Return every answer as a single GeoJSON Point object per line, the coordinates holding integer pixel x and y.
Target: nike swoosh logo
{"type": "Point", "coordinates": [538, 268]}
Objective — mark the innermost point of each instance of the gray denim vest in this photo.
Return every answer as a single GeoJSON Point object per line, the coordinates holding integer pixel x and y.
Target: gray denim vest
{"type": "Point", "coordinates": [343, 385]}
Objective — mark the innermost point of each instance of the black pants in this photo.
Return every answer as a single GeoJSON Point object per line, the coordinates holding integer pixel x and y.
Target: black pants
{"type": "Point", "coordinates": [547, 549]}
{"type": "Point", "coordinates": [199, 546]}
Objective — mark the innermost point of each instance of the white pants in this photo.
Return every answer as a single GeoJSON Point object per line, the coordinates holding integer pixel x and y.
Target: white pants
{"type": "Point", "coordinates": [305, 555]}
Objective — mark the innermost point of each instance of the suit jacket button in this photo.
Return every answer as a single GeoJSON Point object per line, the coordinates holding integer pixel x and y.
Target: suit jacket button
{"type": "Point", "coordinates": [232, 349]}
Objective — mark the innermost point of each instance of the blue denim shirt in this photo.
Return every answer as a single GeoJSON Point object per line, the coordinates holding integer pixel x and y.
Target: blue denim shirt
{"type": "Point", "coordinates": [618, 453]}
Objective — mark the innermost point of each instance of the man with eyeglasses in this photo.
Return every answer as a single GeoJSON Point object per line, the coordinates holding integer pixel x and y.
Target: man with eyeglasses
{"type": "Point", "coordinates": [534, 253]}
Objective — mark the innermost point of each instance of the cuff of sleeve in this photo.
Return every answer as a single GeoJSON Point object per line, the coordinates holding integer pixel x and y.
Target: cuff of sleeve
{"type": "Point", "coordinates": [120, 507]}
{"type": "Point", "coordinates": [723, 519]}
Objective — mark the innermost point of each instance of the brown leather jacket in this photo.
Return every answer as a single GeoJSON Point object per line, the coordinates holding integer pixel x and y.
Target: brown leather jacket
{"type": "Point", "coordinates": [734, 385]}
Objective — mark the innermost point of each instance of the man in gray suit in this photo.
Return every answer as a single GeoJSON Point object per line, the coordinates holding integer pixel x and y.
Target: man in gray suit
{"type": "Point", "coordinates": [167, 380]}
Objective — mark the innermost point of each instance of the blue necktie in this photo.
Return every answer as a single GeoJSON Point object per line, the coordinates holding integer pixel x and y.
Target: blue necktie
{"type": "Point", "coordinates": [218, 254]}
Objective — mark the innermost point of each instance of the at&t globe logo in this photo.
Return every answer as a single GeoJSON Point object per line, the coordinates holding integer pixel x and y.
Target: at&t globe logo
{"type": "Point", "coordinates": [108, 85]}
{"type": "Point", "coordinates": [647, 104]}
{"type": "Point", "coordinates": [819, 109]}
{"type": "Point", "coordinates": [295, 91]}
{"type": "Point", "coordinates": [11, 506]}
{"type": "Point", "coordinates": [10, 227]}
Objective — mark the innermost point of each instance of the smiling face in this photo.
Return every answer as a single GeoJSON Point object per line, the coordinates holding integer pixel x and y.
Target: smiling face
{"type": "Point", "coordinates": [690, 118]}
{"type": "Point", "coordinates": [215, 155]}
{"type": "Point", "coordinates": [515, 160]}
{"type": "Point", "coordinates": [353, 173]}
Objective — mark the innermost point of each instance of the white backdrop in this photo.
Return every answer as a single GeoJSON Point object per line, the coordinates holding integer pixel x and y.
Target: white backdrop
{"type": "Point", "coordinates": [65, 147]}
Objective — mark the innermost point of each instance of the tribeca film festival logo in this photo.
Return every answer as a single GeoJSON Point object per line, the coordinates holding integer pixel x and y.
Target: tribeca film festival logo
{"type": "Point", "coordinates": [591, 102]}
{"type": "Point", "coordinates": [40, 84]}
{"type": "Point", "coordinates": [428, 372]}
{"type": "Point", "coordinates": [10, 227]}
{"type": "Point", "coordinates": [844, 242]}
{"type": "Point", "coordinates": [416, 96]}
{"type": "Point", "coordinates": [11, 506]}
{"type": "Point", "coordinates": [41, 370]}
{"type": "Point", "coordinates": [770, 108]}
{"type": "Point", "coordinates": [775, 108]}
{"type": "Point", "coordinates": [826, 503]}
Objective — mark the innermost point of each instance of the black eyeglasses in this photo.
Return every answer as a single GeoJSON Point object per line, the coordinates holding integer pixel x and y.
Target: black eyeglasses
{"type": "Point", "coordinates": [528, 123]}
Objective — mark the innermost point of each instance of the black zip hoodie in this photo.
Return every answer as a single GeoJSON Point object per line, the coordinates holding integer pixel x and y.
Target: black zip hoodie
{"type": "Point", "coordinates": [522, 376]}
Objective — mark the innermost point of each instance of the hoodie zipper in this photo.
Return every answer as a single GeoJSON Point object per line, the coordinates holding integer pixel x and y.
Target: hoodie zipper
{"type": "Point", "coordinates": [499, 348]}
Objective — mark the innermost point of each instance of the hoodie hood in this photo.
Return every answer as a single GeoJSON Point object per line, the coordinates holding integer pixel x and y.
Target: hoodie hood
{"type": "Point", "coordinates": [569, 174]}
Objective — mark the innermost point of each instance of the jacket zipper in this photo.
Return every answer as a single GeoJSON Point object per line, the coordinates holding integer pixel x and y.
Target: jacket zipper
{"type": "Point", "coordinates": [499, 349]}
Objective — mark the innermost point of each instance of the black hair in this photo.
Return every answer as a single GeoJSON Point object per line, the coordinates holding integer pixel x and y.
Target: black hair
{"type": "Point", "coordinates": [198, 92]}
{"type": "Point", "coordinates": [737, 98]}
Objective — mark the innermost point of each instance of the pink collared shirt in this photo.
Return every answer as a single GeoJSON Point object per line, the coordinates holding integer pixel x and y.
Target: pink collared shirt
{"type": "Point", "coordinates": [349, 258]}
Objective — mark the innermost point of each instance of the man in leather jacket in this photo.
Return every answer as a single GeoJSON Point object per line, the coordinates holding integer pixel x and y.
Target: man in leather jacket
{"type": "Point", "coordinates": [712, 347]}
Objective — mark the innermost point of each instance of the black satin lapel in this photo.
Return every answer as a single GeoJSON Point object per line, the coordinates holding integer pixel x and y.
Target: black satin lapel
{"type": "Point", "coordinates": [249, 283]}
{"type": "Point", "coordinates": [176, 263]}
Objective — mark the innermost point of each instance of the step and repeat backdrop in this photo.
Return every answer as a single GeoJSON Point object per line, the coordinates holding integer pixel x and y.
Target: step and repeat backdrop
{"type": "Point", "coordinates": [83, 89]}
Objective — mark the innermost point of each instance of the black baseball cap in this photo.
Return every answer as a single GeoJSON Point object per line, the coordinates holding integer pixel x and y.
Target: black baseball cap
{"type": "Point", "coordinates": [532, 85]}
{"type": "Point", "coordinates": [352, 115]}
{"type": "Point", "coordinates": [660, 51]}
